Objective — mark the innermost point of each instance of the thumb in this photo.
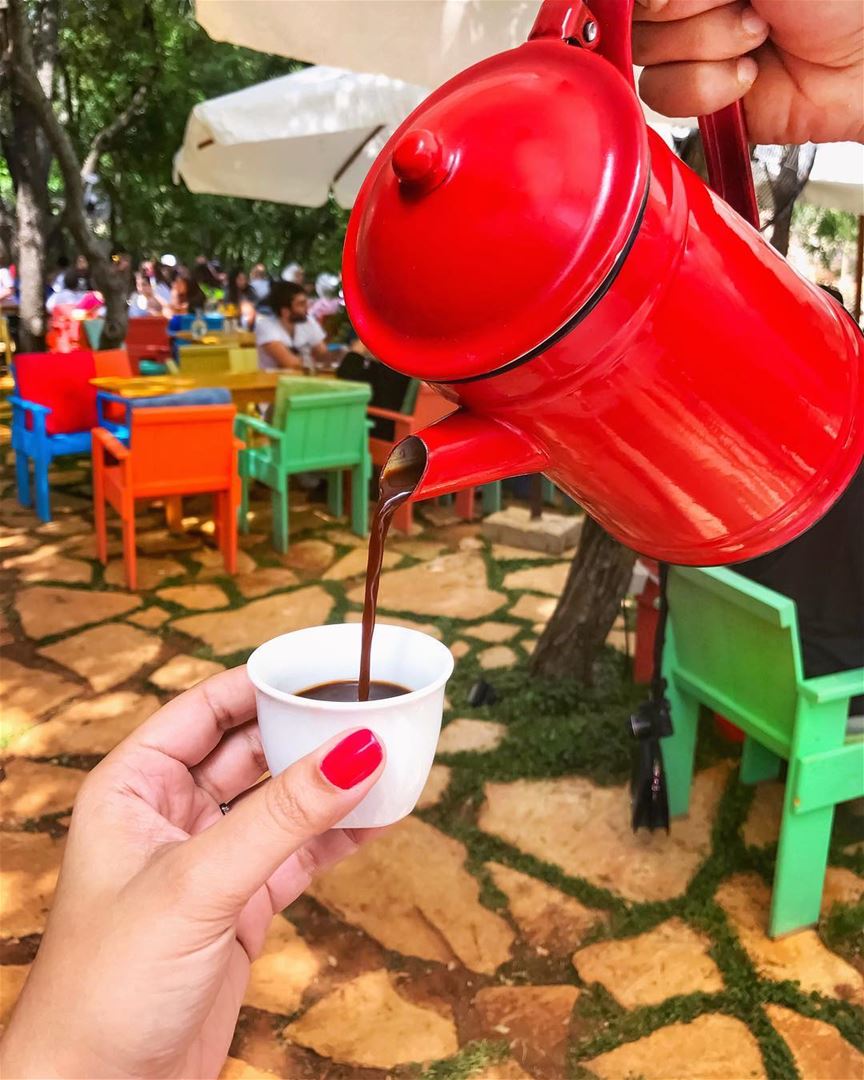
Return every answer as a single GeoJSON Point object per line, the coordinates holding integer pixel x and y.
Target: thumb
{"type": "Point", "coordinates": [223, 866]}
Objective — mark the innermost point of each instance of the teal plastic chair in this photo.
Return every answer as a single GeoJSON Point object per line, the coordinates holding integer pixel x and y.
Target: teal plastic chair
{"type": "Point", "coordinates": [733, 645]}
{"type": "Point", "coordinates": [318, 425]}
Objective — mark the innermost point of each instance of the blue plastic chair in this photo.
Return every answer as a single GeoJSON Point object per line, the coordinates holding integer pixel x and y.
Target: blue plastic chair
{"type": "Point", "coordinates": [67, 379]}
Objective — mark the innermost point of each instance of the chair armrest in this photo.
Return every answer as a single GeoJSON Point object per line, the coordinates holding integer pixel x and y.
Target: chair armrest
{"type": "Point", "coordinates": [29, 406]}
{"type": "Point", "coordinates": [106, 396]}
{"type": "Point", "coordinates": [245, 422]}
{"type": "Point", "coordinates": [386, 414]}
{"type": "Point", "coordinates": [110, 444]}
{"type": "Point", "coordinates": [840, 686]}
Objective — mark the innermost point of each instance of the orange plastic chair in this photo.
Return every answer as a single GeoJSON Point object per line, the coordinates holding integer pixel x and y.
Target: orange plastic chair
{"type": "Point", "coordinates": [173, 451]}
{"type": "Point", "coordinates": [114, 362]}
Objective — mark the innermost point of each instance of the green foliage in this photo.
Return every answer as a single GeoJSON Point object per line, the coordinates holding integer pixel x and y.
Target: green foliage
{"type": "Point", "coordinates": [824, 233]}
{"type": "Point", "coordinates": [107, 48]}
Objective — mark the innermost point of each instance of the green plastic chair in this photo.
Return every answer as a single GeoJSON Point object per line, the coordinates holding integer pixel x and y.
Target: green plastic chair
{"type": "Point", "coordinates": [733, 645]}
{"type": "Point", "coordinates": [318, 425]}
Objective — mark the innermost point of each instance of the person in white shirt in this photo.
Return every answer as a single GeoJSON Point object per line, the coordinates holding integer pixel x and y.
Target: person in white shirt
{"type": "Point", "coordinates": [290, 337]}
{"type": "Point", "coordinates": [259, 281]}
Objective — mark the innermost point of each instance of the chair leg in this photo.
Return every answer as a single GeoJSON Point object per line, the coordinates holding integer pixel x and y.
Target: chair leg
{"type": "Point", "coordinates": [228, 527]}
{"type": "Point", "coordinates": [359, 500]}
{"type": "Point", "coordinates": [22, 478]}
{"type": "Point", "coordinates": [40, 482]}
{"type": "Point", "coordinates": [174, 513]}
{"type": "Point", "coordinates": [335, 504]}
{"type": "Point", "coordinates": [679, 747]}
{"type": "Point", "coordinates": [130, 556]}
{"type": "Point", "coordinates": [465, 504]}
{"type": "Point", "coordinates": [758, 763]}
{"type": "Point", "coordinates": [799, 877]}
{"type": "Point", "coordinates": [280, 517]}
{"type": "Point", "coordinates": [490, 496]}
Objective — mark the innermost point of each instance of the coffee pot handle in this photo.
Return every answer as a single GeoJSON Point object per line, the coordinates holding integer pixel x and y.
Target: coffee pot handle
{"type": "Point", "coordinates": [724, 133]}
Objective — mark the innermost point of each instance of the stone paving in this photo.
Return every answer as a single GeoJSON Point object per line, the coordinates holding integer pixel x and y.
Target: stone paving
{"type": "Point", "coordinates": [513, 926]}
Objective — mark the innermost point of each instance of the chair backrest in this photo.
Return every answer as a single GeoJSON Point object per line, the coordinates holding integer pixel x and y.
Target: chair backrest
{"type": "Point", "coordinates": [740, 639]}
{"type": "Point", "coordinates": [429, 406]}
{"type": "Point", "coordinates": [92, 333]}
{"type": "Point", "coordinates": [147, 330]}
{"type": "Point", "coordinates": [204, 359]}
{"type": "Point", "coordinates": [113, 362]}
{"type": "Point", "coordinates": [182, 448]}
{"type": "Point", "coordinates": [324, 420]}
{"type": "Point", "coordinates": [62, 382]}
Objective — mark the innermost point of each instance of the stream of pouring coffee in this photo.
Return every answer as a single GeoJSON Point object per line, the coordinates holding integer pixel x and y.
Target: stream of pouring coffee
{"type": "Point", "coordinates": [399, 477]}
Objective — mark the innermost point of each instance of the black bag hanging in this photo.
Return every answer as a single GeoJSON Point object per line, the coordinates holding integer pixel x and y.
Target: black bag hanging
{"type": "Point", "coordinates": [651, 722]}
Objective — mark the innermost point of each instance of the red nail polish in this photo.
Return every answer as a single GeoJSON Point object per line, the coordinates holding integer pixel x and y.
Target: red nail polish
{"type": "Point", "coordinates": [352, 760]}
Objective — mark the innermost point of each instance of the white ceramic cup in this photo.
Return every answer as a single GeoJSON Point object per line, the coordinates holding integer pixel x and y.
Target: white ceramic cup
{"type": "Point", "coordinates": [408, 726]}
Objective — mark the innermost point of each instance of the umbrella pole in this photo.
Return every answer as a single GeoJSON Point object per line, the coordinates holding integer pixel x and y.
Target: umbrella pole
{"type": "Point", "coordinates": [859, 268]}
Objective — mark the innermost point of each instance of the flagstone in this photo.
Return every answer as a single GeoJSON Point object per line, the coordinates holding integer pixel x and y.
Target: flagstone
{"type": "Point", "coordinates": [460, 649]}
{"type": "Point", "coordinates": [85, 547]}
{"type": "Point", "coordinates": [282, 972]}
{"type": "Point", "coordinates": [410, 891]}
{"type": "Point", "coordinates": [58, 568]}
{"type": "Point", "coordinates": [195, 597]}
{"type": "Point", "coordinates": [819, 1050]}
{"type": "Point", "coordinates": [12, 979]}
{"type": "Point", "coordinates": [501, 1070]}
{"type": "Point", "coordinates": [247, 627]}
{"type": "Point", "coordinates": [585, 830]}
{"type": "Point", "coordinates": [263, 580]}
{"type": "Point", "coordinates": [508, 553]}
{"type": "Point", "coordinates": [105, 655]}
{"type": "Point", "coordinates": [237, 1069]}
{"type": "Point", "coordinates": [214, 565]}
{"type": "Point", "coordinates": [181, 672]}
{"type": "Point", "coordinates": [544, 579]}
{"type": "Point", "coordinates": [534, 1020]}
{"type": "Point", "coordinates": [28, 875]}
{"type": "Point", "coordinates": [311, 556]}
{"type": "Point", "coordinates": [31, 790]}
{"type": "Point", "coordinates": [528, 646]}
{"type": "Point", "coordinates": [366, 1023]}
{"type": "Point", "coordinates": [344, 537]}
{"type": "Point", "coordinates": [762, 826]}
{"type": "Point", "coordinates": [393, 620]}
{"type": "Point", "coordinates": [16, 542]}
{"type": "Point", "coordinates": [801, 956]}
{"type": "Point", "coordinates": [354, 563]}
{"type": "Point", "coordinates": [841, 886]}
{"type": "Point", "coordinates": [723, 1047]}
{"type": "Point", "coordinates": [162, 542]}
{"type": "Point", "coordinates": [419, 549]}
{"type": "Point", "coordinates": [436, 784]}
{"type": "Point", "coordinates": [493, 632]}
{"type": "Point", "coordinates": [27, 694]}
{"type": "Point", "coordinates": [152, 572]}
{"type": "Point", "coordinates": [471, 735]}
{"type": "Point", "coordinates": [451, 586]}
{"type": "Point", "coordinates": [536, 609]}
{"type": "Point", "coordinates": [547, 919]}
{"type": "Point", "coordinates": [671, 959]}
{"type": "Point", "coordinates": [48, 609]}
{"type": "Point", "coordinates": [68, 476]}
{"type": "Point", "coordinates": [65, 501]}
{"type": "Point", "coordinates": [93, 726]}
{"type": "Point", "coordinates": [150, 618]}
{"type": "Point", "coordinates": [498, 656]}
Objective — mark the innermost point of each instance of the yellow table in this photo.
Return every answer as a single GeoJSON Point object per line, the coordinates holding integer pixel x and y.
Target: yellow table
{"type": "Point", "coordinates": [241, 339]}
{"type": "Point", "coordinates": [246, 387]}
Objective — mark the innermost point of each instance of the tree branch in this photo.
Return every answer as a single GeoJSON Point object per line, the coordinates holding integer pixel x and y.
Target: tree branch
{"type": "Point", "coordinates": [111, 130]}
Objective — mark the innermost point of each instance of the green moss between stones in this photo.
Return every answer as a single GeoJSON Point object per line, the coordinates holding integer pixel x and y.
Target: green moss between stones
{"type": "Point", "coordinates": [473, 1057]}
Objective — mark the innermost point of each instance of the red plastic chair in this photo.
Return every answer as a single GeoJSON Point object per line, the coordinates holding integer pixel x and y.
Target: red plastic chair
{"type": "Point", "coordinates": [147, 339]}
{"type": "Point", "coordinates": [173, 451]}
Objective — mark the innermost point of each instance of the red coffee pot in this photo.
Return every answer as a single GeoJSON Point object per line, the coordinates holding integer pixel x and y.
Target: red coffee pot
{"type": "Point", "coordinates": [527, 245]}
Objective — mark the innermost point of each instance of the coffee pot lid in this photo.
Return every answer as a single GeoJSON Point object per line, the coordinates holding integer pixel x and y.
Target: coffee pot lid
{"type": "Point", "coordinates": [496, 212]}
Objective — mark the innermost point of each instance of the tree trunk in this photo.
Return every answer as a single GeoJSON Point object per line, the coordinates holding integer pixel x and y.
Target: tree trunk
{"type": "Point", "coordinates": [114, 286]}
{"type": "Point", "coordinates": [32, 217]}
{"type": "Point", "coordinates": [592, 596]}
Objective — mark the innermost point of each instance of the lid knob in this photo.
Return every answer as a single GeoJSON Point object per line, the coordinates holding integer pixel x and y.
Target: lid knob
{"type": "Point", "coordinates": [419, 160]}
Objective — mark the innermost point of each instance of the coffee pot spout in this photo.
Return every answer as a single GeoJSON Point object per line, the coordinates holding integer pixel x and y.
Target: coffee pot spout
{"type": "Point", "coordinates": [463, 450]}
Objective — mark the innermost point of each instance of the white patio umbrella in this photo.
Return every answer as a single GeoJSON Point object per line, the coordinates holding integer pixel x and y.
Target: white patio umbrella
{"type": "Point", "coordinates": [295, 138]}
{"type": "Point", "coordinates": [424, 41]}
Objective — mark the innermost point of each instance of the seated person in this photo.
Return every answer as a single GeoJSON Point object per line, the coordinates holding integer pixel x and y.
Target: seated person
{"type": "Point", "coordinates": [290, 337]}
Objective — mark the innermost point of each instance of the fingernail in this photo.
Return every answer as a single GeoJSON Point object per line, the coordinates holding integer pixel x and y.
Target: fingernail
{"type": "Point", "coordinates": [747, 70]}
{"type": "Point", "coordinates": [753, 24]}
{"type": "Point", "coordinates": [352, 760]}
